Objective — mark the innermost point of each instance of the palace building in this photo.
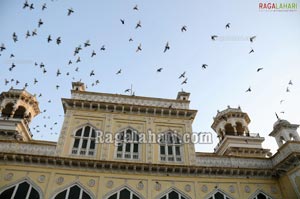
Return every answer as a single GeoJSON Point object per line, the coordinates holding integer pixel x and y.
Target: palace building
{"type": "Point", "coordinates": [80, 165]}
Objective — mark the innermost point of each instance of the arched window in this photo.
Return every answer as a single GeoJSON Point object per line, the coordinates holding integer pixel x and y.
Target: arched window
{"type": "Point", "coordinates": [173, 195]}
{"type": "Point", "coordinates": [218, 194]}
{"type": "Point", "coordinates": [22, 190]}
{"type": "Point", "coordinates": [6, 112]}
{"type": "Point", "coordinates": [239, 128]}
{"type": "Point", "coordinates": [229, 130]}
{"type": "Point", "coordinates": [260, 195]}
{"type": "Point", "coordinates": [20, 112]}
{"type": "Point", "coordinates": [127, 144]}
{"type": "Point", "coordinates": [84, 141]}
{"type": "Point", "coordinates": [170, 147]}
{"type": "Point", "coordinates": [71, 192]}
{"type": "Point", "coordinates": [124, 194]}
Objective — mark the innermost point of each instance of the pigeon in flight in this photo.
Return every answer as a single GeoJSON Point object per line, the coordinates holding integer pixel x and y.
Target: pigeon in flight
{"type": "Point", "coordinates": [252, 38]}
{"type": "Point", "coordinates": [251, 51]}
{"type": "Point", "coordinates": [44, 6]}
{"type": "Point", "coordinates": [15, 37]}
{"type": "Point", "coordinates": [70, 11]}
{"type": "Point", "coordinates": [213, 37]}
{"type": "Point", "coordinates": [182, 75]}
{"type": "Point", "coordinates": [93, 53]}
{"type": "Point", "coordinates": [119, 72]}
{"type": "Point", "coordinates": [49, 38]}
{"type": "Point", "coordinates": [122, 21]}
{"type": "Point", "coordinates": [184, 81]}
{"type": "Point", "coordinates": [159, 70]}
{"type": "Point", "coordinates": [290, 82]}
{"type": "Point", "coordinates": [167, 47]}
{"type": "Point", "coordinates": [92, 73]}
{"type": "Point", "coordinates": [139, 48]}
{"type": "Point", "coordinates": [2, 47]}
{"type": "Point", "coordinates": [183, 28]}
{"type": "Point", "coordinates": [227, 26]}
{"type": "Point", "coordinates": [259, 69]}
{"type": "Point", "coordinates": [135, 7]}
{"type": "Point", "coordinates": [248, 90]}
{"type": "Point", "coordinates": [58, 40]}
{"type": "Point", "coordinates": [204, 66]}
{"type": "Point", "coordinates": [87, 43]}
{"type": "Point", "coordinates": [25, 4]}
{"type": "Point", "coordinates": [138, 25]}
{"type": "Point", "coordinates": [40, 23]}
{"type": "Point", "coordinates": [102, 47]}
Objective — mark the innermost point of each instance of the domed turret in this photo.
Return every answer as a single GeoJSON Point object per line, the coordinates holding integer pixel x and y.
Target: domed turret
{"type": "Point", "coordinates": [17, 109]}
{"type": "Point", "coordinates": [231, 125]}
{"type": "Point", "coordinates": [284, 131]}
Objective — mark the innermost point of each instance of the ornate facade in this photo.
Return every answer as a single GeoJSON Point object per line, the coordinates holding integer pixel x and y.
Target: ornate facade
{"type": "Point", "coordinates": [120, 166]}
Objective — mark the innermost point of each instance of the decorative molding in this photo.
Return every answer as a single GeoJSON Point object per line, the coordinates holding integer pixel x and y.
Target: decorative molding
{"type": "Point", "coordinates": [204, 188]}
{"type": "Point", "coordinates": [28, 148]}
{"type": "Point", "coordinates": [247, 189]}
{"type": "Point", "coordinates": [91, 183]}
{"type": "Point", "coordinates": [140, 185]}
{"type": "Point", "coordinates": [188, 188]}
{"type": "Point", "coordinates": [231, 189]}
{"type": "Point", "coordinates": [109, 184]}
{"type": "Point", "coordinates": [157, 186]}
{"type": "Point", "coordinates": [41, 178]}
{"type": "Point", "coordinates": [131, 101]}
{"type": "Point", "coordinates": [8, 176]}
{"type": "Point", "coordinates": [59, 180]}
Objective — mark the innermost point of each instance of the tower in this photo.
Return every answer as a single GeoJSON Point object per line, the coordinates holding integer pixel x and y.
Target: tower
{"type": "Point", "coordinates": [284, 131]}
{"type": "Point", "coordinates": [17, 109]}
{"type": "Point", "coordinates": [231, 126]}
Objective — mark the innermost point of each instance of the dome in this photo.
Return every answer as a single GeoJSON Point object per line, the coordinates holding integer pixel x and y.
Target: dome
{"type": "Point", "coordinates": [281, 122]}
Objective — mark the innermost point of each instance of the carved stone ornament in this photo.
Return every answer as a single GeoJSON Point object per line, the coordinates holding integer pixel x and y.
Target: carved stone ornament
{"type": "Point", "coordinates": [187, 188]}
{"type": "Point", "coordinates": [109, 184]}
{"type": "Point", "coordinates": [42, 178]}
{"type": "Point", "coordinates": [204, 188]}
{"type": "Point", "coordinates": [247, 189]}
{"type": "Point", "coordinates": [157, 186]}
{"type": "Point", "coordinates": [59, 180]}
{"type": "Point", "coordinates": [91, 183]}
{"type": "Point", "coordinates": [8, 176]}
{"type": "Point", "coordinates": [231, 189]}
{"type": "Point", "coordinates": [273, 190]}
{"type": "Point", "coordinates": [140, 185]}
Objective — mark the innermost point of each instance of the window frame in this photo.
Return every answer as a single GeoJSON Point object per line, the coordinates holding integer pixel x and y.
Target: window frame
{"type": "Point", "coordinates": [77, 151]}
{"type": "Point", "coordinates": [16, 186]}
{"type": "Point", "coordinates": [168, 157]}
{"type": "Point", "coordinates": [121, 155]}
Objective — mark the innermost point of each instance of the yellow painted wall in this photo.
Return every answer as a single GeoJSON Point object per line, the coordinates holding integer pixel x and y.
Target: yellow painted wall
{"type": "Point", "coordinates": [50, 186]}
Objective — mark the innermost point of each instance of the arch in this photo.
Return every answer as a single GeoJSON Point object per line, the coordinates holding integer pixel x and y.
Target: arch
{"type": "Point", "coordinates": [173, 193]}
{"type": "Point", "coordinates": [292, 137]}
{"type": "Point", "coordinates": [229, 130]}
{"type": "Point", "coordinates": [282, 140]}
{"type": "Point", "coordinates": [218, 194]}
{"type": "Point", "coordinates": [239, 128]}
{"type": "Point", "coordinates": [20, 112]}
{"type": "Point", "coordinates": [74, 190]}
{"type": "Point", "coordinates": [170, 148]}
{"type": "Point", "coordinates": [259, 194]}
{"type": "Point", "coordinates": [125, 191]}
{"type": "Point", "coordinates": [84, 142]}
{"type": "Point", "coordinates": [22, 189]}
{"type": "Point", "coordinates": [8, 109]}
{"type": "Point", "coordinates": [127, 144]}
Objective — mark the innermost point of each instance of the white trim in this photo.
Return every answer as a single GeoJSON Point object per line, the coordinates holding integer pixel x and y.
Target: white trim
{"type": "Point", "coordinates": [68, 187]}
{"type": "Point", "coordinates": [165, 193]}
{"type": "Point", "coordinates": [258, 191]}
{"type": "Point", "coordinates": [119, 189]}
{"type": "Point", "coordinates": [16, 185]}
{"type": "Point", "coordinates": [211, 194]}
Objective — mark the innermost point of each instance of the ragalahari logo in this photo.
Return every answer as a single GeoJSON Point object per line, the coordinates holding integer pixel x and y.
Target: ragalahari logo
{"type": "Point", "coordinates": [278, 7]}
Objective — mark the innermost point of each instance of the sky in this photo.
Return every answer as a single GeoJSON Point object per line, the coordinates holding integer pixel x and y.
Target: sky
{"type": "Point", "coordinates": [230, 70]}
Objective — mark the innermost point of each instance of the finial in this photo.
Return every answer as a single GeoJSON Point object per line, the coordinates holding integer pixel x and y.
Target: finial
{"type": "Point", "coordinates": [277, 116]}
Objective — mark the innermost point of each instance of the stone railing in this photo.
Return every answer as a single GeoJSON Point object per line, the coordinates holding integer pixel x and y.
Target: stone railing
{"type": "Point", "coordinates": [285, 151]}
{"type": "Point", "coordinates": [233, 162]}
{"type": "Point", "coordinates": [28, 148]}
{"type": "Point", "coordinates": [142, 101]}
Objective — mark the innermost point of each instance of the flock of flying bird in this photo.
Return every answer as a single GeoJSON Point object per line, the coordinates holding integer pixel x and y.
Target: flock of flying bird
{"type": "Point", "coordinates": [58, 40]}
